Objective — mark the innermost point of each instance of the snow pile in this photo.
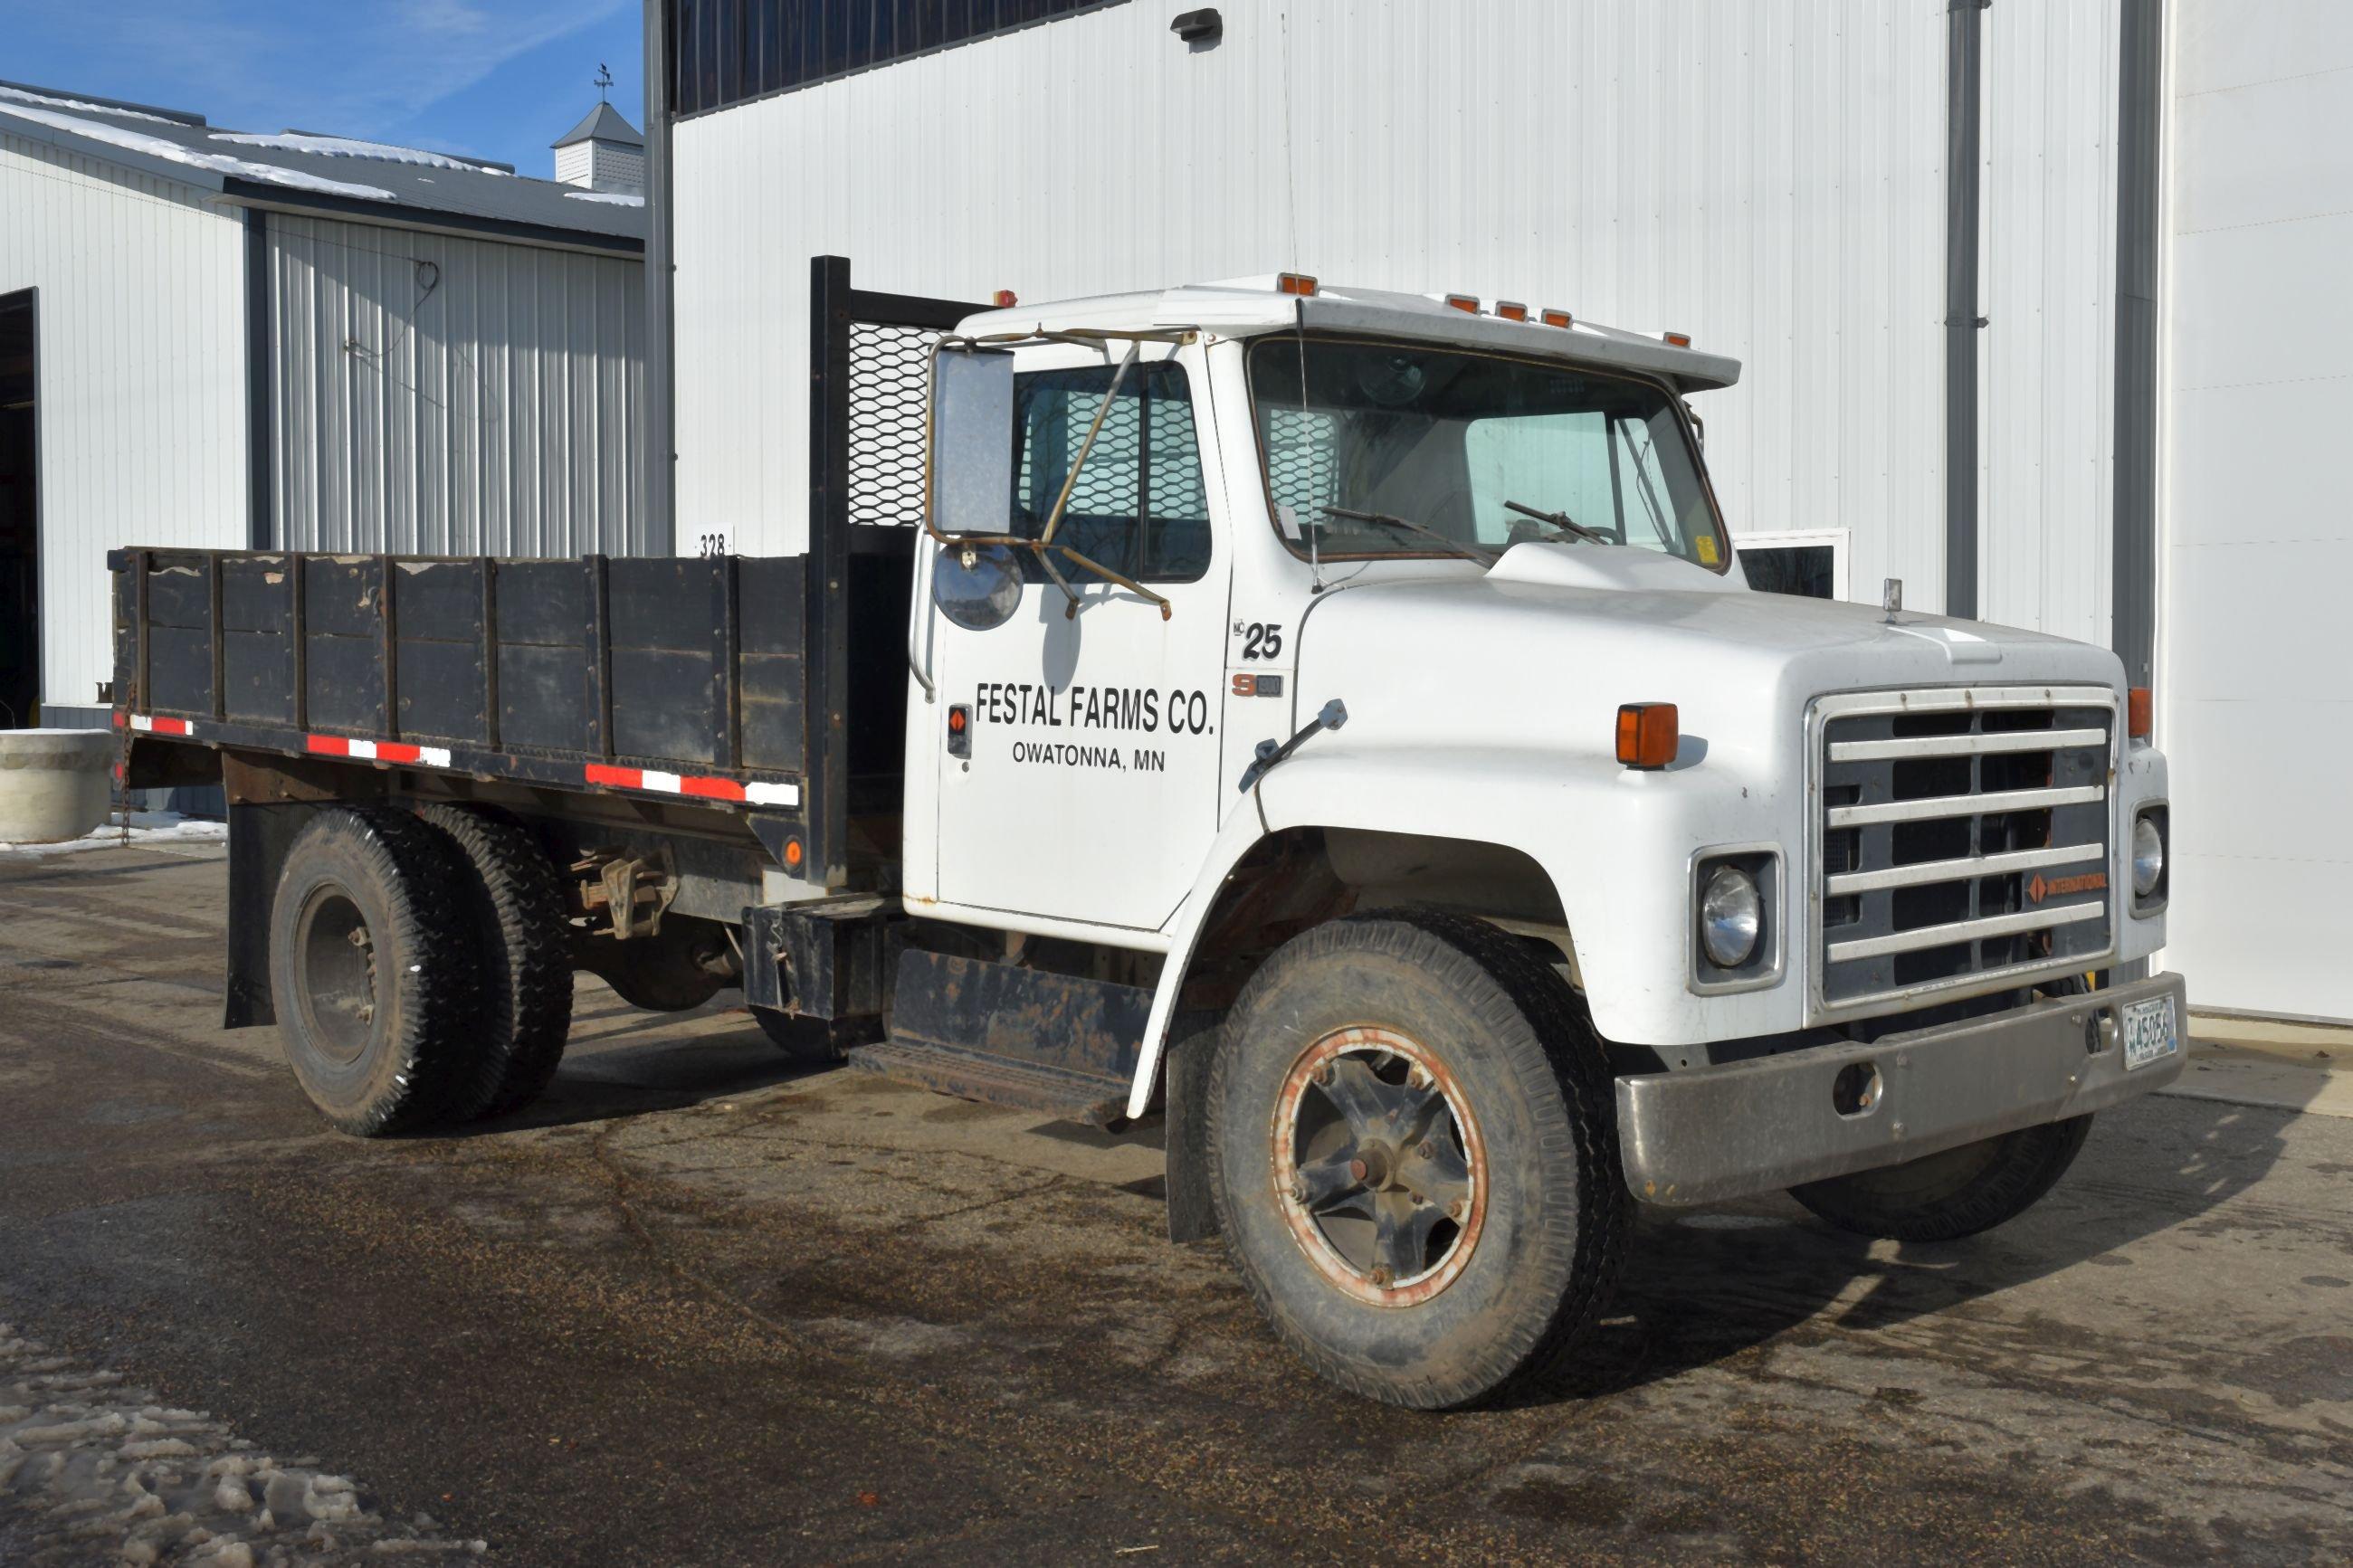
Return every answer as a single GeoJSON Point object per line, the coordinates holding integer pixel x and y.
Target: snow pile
{"type": "Point", "coordinates": [52, 100]}
{"type": "Point", "coordinates": [614, 198]}
{"type": "Point", "coordinates": [91, 1471]}
{"type": "Point", "coordinates": [218, 162]}
{"type": "Point", "coordinates": [352, 147]}
{"type": "Point", "coordinates": [141, 831]}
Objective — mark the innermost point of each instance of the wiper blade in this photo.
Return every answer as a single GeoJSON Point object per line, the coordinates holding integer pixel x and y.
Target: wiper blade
{"type": "Point", "coordinates": [1451, 546]}
{"type": "Point", "coordinates": [1562, 520]}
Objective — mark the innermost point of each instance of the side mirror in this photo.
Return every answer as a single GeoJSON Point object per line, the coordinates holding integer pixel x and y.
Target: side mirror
{"type": "Point", "coordinates": [977, 585]}
{"type": "Point", "coordinates": [972, 442]}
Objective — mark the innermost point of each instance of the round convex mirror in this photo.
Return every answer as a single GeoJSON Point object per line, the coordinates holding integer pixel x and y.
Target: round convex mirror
{"type": "Point", "coordinates": [977, 585]}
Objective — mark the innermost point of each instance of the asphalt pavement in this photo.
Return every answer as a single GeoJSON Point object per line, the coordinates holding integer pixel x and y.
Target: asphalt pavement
{"type": "Point", "coordinates": [698, 1307]}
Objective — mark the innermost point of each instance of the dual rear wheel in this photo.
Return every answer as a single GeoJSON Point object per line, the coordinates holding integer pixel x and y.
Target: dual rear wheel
{"type": "Point", "coordinates": [420, 966]}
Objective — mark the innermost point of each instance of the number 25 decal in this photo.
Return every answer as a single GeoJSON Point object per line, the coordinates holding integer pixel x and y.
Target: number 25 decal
{"type": "Point", "coordinates": [1260, 640]}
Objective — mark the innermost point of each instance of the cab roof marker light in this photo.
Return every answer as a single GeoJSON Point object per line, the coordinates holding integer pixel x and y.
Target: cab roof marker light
{"type": "Point", "coordinates": [1558, 319]}
{"type": "Point", "coordinates": [1006, 298]}
{"type": "Point", "coordinates": [1677, 339]}
{"type": "Point", "coordinates": [1468, 303]}
{"type": "Point", "coordinates": [1511, 310]}
{"type": "Point", "coordinates": [1297, 283]}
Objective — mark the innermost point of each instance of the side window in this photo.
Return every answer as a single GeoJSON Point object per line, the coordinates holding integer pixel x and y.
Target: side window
{"type": "Point", "coordinates": [1140, 506]}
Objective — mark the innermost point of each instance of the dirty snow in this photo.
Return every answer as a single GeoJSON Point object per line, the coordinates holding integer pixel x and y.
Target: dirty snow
{"type": "Point", "coordinates": [614, 198]}
{"type": "Point", "coordinates": [352, 147]}
{"type": "Point", "coordinates": [22, 95]}
{"type": "Point", "coordinates": [218, 162]}
{"type": "Point", "coordinates": [143, 830]}
{"type": "Point", "coordinates": [94, 1469]}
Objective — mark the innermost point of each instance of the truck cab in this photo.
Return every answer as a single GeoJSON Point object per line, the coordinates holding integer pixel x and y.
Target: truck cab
{"type": "Point", "coordinates": [1332, 721]}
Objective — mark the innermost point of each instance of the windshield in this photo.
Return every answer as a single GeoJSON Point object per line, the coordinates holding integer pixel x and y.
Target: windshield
{"type": "Point", "coordinates": [1483, 451]}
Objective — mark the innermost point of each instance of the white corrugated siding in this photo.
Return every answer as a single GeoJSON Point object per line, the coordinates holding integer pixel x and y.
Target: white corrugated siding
{"type": "Point", "coordinates": [495, 412]}
{"type": "Point", "coordinates": [1767, 175]}
{"type": "Point", "coordinates": [2047, 362]}
{"type": "Point", "coordinates": [140, 319]}
{"type": "Point", "coordinates": [2256, 538]}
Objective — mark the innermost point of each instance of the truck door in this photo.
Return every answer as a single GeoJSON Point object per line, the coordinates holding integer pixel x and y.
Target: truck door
{"type": "Point", "coordinates": [1091, 790]}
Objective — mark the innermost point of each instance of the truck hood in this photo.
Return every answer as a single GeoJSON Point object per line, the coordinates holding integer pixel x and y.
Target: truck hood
{"type": "Point", "coordinates": [1543, 647]}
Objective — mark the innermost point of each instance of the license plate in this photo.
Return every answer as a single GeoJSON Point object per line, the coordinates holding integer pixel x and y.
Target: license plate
{"type": "Point", "coordinates": [2149, 1034]}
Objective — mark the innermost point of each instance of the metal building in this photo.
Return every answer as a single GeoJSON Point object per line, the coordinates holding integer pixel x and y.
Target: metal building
{"type": "Point", "coordinates": [2037, 302]}
{"type": "Point", "coordinates": [217, 339]}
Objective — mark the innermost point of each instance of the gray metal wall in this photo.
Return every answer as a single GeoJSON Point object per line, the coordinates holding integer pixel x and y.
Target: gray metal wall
{"type": "Point", "coordinates": [440, 396]}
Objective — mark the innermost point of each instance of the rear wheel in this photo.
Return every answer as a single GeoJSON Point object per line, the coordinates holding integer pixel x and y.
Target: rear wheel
{"type": "Point", "coordinates": [375, 970]}
{"type": "Point", "coordinates": [525, 944]}
{"type": "Point", "coordinates": [1959, 1193]}
{"type": "Point", "coordinates": [1414, 1157]}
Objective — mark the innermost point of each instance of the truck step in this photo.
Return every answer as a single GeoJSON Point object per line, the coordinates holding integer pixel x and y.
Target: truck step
{"type": "Point", "coordinates": [1010, 1036]}
{"type": "Point", "coordinates": [997, 1080]}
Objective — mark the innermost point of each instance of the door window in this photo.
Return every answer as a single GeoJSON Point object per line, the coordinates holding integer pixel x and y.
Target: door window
{"type": "Point", "coordinates": [1140, 506]}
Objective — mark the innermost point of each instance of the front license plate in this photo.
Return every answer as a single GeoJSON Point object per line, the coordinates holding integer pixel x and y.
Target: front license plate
{"type": "Point", "coordinates": [2149, 1034]}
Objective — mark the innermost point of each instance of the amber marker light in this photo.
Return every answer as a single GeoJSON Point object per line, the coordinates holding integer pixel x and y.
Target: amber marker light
{"type": "Point", "coordinates": [1006, 298]}
{"type": "Point", "coordinates": [1677, 339]}
{"type": "Point", "coordinates": [1468, 303]}
{"type": "Point", "coordinates": [1558, 319]}
{"type": "Point", "coordinates": [1511, 310]}
{"type": "Point", "coordinates": [1646, 734]}
{"type": "Point", "coordinates": [2140, 713]}
{"type": "Point", "coordinates": [1297, 283]}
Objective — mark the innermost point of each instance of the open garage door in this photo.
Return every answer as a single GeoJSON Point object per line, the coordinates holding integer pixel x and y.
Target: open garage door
{"type": "Point", "coordinates": [20, 518]}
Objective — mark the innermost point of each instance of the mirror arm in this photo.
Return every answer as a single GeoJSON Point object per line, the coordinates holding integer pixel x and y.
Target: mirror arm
{"type": "Point", "coordinates": [1099, 570]}
{"type": "Point", "coordinates": [1103, 412]}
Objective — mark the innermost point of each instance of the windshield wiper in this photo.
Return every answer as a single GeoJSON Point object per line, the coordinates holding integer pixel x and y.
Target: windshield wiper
{"type": "Point", "coordinates": [1451, 546]}
{"type": "Point", "coordinates": [1562, 520]}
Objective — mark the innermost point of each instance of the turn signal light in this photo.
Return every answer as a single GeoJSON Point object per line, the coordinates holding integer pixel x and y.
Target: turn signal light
{"type": "Point", "coordinates": [1006, 298]}
{"type": "Point", "coordinates": [1558, 319]}
{"type": "Point", "coordinates": [1469, 302]}
{"type": "Point", "coordinates": [1297, 283]}
{"type": "Point", "coordinates": [2140, 713]}
{"type": "Point", "coordinates": [1646, 734]}
{"type": "Point", "coordinates": [1511, 310]}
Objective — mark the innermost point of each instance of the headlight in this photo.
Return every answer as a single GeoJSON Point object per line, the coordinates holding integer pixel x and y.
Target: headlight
{"type": "Point", "coordinates": [2148, 857]}
{"type": "Point", "coordinates": [1730, 917]}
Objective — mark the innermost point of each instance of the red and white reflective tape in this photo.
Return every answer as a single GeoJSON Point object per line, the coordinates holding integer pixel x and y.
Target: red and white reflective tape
{"type": "Point", "coordinates": [377, 750]}
{"type": "Point", "coordinates": [699, 788]}
{"type": "Point", "coordinates": [146, 724]}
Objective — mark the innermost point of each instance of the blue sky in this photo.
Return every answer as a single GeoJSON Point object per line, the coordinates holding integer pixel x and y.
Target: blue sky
{"type": "Point", "coordinates": [492, 79]}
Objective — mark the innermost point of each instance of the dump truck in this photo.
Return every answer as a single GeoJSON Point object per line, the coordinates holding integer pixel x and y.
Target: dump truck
{"type": "Point", "coordinates": [1332, 722]}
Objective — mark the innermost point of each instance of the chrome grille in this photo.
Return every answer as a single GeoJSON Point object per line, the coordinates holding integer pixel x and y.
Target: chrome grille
{"type": "Point", "coordinates": [1960, 840]}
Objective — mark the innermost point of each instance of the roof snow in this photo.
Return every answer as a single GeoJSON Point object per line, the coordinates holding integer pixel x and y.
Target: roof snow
{"type": "Point", "coordinates": [352, 147]}
{"type": "Point", "coordinates": [616, 198]}
{"type": "Point", "coordinates": [22, 95]}
{"type": "Point", "coordinates": [172, 152]}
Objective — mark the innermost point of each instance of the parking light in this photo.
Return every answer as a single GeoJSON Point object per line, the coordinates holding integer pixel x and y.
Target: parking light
{"type": "Point", "coordinates": [1648, 734]}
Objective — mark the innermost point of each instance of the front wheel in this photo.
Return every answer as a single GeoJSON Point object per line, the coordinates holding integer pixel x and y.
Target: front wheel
{"type": "Point", "coordinates": [1414, 1157]}
{"type": "Point", "coordinates": [1957, 1192]}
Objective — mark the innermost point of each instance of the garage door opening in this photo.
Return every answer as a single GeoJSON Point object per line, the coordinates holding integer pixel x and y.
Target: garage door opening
{"type": "Point", "coordinates": [20, 519]}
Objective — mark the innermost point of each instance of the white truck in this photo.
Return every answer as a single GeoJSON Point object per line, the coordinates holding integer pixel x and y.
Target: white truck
{"type": "Point", "coordinates": [1333, 721]}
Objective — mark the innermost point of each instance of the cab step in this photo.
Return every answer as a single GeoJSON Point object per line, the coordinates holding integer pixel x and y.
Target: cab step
{"type": "Point", "coordinates": [1009, 1036]}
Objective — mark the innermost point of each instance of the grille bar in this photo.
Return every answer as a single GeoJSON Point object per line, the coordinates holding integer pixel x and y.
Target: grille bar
{"type": "Point", "coordinates": [1925, 937]}
{"type": "Point", "coordinates": [1967, 865]}
{"type": "Point", "coordinates": [1962, 806]}
{"type": "Point", "coordinates": [1998, 743]}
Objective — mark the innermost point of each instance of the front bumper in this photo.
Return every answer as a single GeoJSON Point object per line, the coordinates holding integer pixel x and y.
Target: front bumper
{"type": "Point", "coordinates": [1708, 1133]}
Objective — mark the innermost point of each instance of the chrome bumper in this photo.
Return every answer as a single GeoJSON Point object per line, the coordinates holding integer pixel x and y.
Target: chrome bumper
{"type": "Point", "coordinates": [1708, 1133]}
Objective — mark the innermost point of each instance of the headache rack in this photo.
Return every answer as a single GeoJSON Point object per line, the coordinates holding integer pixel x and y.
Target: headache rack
{"type": "Point", "coordinates": [1960, 842]}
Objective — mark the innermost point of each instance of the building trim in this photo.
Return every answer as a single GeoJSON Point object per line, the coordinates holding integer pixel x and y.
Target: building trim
{"type": "Point", "coordinates": [1964, 65]}
{"type": "Point", "coordinates": [2140, 96]}
{"type": "Point", "coordinates": [465, 226]}
{"type": "Point", "coordinates": [660, 372]}
{"type": "Point", "coordinates": [260, 442]}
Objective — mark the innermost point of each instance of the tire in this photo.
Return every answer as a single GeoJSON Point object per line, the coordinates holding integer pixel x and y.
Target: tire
{"type": "Point", "coordinates": [375, 970]}
{"type": "Point", "coordinates": [525, 942]}
{"type": "Point", "coordinates": [1487, 1056]}
{"type": "Point", "coordinates": [1957, 1192]}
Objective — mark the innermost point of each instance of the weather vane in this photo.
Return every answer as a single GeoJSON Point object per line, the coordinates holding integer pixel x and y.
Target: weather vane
{"type": "Point", "coordinates": [604, 80]}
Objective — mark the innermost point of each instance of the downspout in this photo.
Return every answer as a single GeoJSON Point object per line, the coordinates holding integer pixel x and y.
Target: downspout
{"type": "Point", "coordinates": [659, 455]}
{"type": "Point", "coordinates": [1963, 68]}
